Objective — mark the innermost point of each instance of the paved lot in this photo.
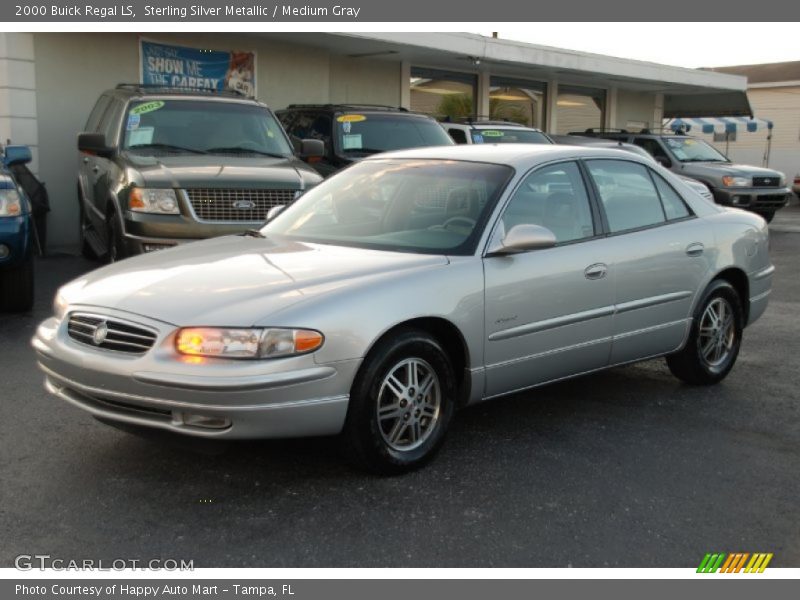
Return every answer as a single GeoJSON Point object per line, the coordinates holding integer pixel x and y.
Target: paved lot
{"type": "Point", "coordinates": [624, 468]}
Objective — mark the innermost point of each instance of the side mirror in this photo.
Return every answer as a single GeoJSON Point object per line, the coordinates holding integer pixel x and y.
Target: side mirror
{"type": "Point", "coordinates": [94, 143]}
{"type": "Point", "coordinates": [522, 238]}
{"type": "Point", "coordinates": [664, 161]}
{"type": "Point", "coordinates": [17, 155]}
{"type": "Point", "coordinates": [275, 211]}
{"type": "Point", "coordinates": [312, 148]}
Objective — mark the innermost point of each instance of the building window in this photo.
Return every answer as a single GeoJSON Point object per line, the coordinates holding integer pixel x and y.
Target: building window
{"type": "Point", "coordinates": [443, 93]}
{"type": "Point", "coordinates": [517, 100]}
{"type": "Point", "coordinates": [724, 136]}
{"type": "Point", "coordinates": [579, 108]}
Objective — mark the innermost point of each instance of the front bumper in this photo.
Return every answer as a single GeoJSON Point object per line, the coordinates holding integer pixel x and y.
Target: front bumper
{"type": "Point", "coordinates": [232, 399]}
{"type": "Point", "coordinates": [15, 237]}
{"type": "Point", "coordinates": [755, 199]}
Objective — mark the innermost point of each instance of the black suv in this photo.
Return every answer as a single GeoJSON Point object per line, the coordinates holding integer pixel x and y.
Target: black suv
{"type": "Point", "coordinates": [352, 131]}
{"type": "Point", "coordinates": [760, 190]}
{"type": "Point", "coordinates": [161, 166]}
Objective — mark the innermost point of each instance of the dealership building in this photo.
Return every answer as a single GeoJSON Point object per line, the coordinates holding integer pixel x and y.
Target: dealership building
{"type": "Point", "coordinates": [49, 83]}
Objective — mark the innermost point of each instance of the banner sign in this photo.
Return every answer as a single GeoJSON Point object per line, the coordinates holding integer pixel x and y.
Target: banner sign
{"type": "Point", "coordinates": [197, 68]}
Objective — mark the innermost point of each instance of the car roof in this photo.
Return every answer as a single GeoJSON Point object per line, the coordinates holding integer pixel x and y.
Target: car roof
{"type": "Point", "coordinates": [126, 91]}
{"type": "Point", "coordinates": [515, 155]}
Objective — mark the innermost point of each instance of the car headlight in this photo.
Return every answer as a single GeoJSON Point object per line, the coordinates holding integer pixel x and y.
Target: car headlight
{"type": "Point", "coordinates": [223, 342]}
{"type": "Point", "coordinates": [10, 203]}
{"type": "Point", "coordinates": [730, 181]}
{"type": "Point", "coordinates": [60, 305]}
{"type": "Point", "coordinates": [153, 200]}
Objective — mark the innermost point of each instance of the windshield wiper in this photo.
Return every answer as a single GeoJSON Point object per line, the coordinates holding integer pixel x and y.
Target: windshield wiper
{"type": "Point", "coordinates": [167, 147]}
{"type": "Point", "coordinates": [366, 150]}
{"type": "Point", "coordinates": [241, 150]}
{"type": "Point", "coordinates": [253, 233]}
{"type": "Point", "coordinates": [704, 160]}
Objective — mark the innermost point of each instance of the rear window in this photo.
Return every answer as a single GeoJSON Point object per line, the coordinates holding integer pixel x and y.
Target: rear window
{"type": "Point", "coordinates": [360, 134]}
{"type": "Point", "coordinates": [508, 136]}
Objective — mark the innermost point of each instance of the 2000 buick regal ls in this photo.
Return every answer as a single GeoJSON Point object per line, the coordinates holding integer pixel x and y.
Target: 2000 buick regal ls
{"type": "Point", "coordinates": [406, 286]}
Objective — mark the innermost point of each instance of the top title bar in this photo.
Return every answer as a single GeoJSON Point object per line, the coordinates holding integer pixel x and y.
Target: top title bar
{"type": "Point", "coordinates": [372, 11]}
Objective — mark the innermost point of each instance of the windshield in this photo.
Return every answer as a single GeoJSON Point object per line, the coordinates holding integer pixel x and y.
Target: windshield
{"type": "Point", "coordinates": [406, 205]}
{"type": "Point", "coordinates": [369, 133]}
{"type": "Point", "coordinates": [509, 136]}
{"type": "Point", "coordinates": [691, 150]}
{"type": "Point", "coordinates": [198, 127]}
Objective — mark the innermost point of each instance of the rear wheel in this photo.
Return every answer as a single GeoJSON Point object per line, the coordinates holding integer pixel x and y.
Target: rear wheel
{"type": "Point", "coordinates": [16, 287]}
{"type": "Point", "coordinates": [714, 340]}
{"type": "Point", "coordinates": [401, 404]}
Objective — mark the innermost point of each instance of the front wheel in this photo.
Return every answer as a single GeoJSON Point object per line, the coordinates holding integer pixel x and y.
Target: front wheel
{"type": "Point", "coordinates": [116, 242]}
{"type": "Point", "coordinates": [401, 404]}
{"type": "Point", "coordinates": [768, 215]}
{"type": "Point", "coordinates": [714, 340]}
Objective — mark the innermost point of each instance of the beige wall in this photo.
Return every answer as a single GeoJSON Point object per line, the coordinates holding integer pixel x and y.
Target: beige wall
{"type": "Point", "coordinates": [636, 107]}
{"type": "Point", "coordinates": [781, 105]}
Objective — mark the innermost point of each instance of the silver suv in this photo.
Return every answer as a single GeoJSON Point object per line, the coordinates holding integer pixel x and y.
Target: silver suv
{"type": "Point", "coordinates": [760, 190]}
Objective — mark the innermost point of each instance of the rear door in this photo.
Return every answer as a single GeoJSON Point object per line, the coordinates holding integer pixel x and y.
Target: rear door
{"type": "Point", "coordinates": [660, 253]}
{"type": "Point", "coordinates": [549, 312]}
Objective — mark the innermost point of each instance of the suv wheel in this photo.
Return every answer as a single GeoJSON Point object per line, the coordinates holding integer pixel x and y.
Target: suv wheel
{"type": "Point", "coordinates": [83, 226]}
{"type": "Point", "coordinates": [116, 243]}
{"type": "Point", "coordinates": [401, 404]}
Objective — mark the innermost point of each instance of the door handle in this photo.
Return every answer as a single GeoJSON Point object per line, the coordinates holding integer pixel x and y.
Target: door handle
{"type": "Point", "coordinates": [595, 271]}
{"type": "Point", "coordinates": [695, 249]}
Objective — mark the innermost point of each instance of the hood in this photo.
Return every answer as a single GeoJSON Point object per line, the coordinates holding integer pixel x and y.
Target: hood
{"type": "Point", "coordinates": [210, 170]}
{"type": "Point", "coordinates": [720, 169]}
{"type": "Point", "coordinates": [232, 280]}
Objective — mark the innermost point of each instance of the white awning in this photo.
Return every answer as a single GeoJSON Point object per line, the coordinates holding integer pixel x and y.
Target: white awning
{"type": "Point", "coordinates": [719, 124]}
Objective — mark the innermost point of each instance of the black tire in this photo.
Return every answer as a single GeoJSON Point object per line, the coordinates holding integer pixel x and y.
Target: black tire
{"type": "Point", "coordinates": [710, 354]}
{"type": "Point", "coordinates": [116, 243]}
{"type": "Point", "coordinates": [365, 435]}
{"type": "Point", "coordinates": [86, 248]}
{"type": "Point", "coordinates": [768, 216]}
{"type": "Point", "coordinates": [16, 287]}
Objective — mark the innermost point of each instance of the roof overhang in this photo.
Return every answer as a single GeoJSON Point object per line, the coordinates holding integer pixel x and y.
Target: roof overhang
{"type": "Point", "coordinates": [710, 104]}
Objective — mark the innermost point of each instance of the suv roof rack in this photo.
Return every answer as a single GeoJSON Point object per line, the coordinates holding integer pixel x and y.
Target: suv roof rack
{"type": "Point", "coordinates": [350, 106]}
{"type": "Point", "coordinates": [173, 89]}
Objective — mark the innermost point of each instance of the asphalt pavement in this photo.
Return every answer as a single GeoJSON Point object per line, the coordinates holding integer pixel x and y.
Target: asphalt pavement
{"type": "Point", "coordinates": [624, 468]}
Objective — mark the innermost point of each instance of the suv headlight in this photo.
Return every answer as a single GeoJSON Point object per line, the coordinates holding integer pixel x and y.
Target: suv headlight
{"type": "Point", "coordinates": [730, 181]}
{"type": "Point", "coordinates": [153, 200]}
{"type": "Point", "coordinates": [222, 342]}
{"type": "Point", "coordinates": [10, 203]}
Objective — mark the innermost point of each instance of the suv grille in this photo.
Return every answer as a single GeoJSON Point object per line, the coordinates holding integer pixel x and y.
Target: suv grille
{"type": "Point", "coordinates": [110, 334]}
{"type": "Point", "coordinates": [213, 204]}
{"type": "Point", "coordinates": [766, 181]}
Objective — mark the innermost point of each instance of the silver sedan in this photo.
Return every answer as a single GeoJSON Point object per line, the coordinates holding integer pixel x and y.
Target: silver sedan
{"type": "Point", "coordinates": [409, 285]}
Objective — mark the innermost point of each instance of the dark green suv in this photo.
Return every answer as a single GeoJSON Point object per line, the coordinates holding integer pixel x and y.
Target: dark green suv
{"type": "Point", "coordinates": [162, 166]}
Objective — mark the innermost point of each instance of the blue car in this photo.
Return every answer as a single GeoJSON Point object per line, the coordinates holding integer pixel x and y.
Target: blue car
{"type": "Point", "coordinates": [16, 236]}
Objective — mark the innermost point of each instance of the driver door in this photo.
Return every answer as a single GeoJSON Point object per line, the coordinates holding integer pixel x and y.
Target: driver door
{"type": "Point", "coordinates": [549, 312]}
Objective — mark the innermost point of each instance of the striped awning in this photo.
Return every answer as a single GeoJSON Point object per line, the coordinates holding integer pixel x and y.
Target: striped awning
{"type": "Point", "coordinates": [719, 124]}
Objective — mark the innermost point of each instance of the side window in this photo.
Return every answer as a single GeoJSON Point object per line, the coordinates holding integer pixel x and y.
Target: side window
{"type": "Point", "coordinates": [96, 114]}
{"type": "Point", "coordinates": [674, 206]}
{"type": "Point", "coordinates": [109, 123]}
{"type": "Point", "coordinates": [458, 135]}
{"type": "Point", "coordinates": [652, 146]}
{"type": "Point", "coordinates": [315, 126]}
{"type": "Point", "coordinates": [628, 195]}
{"type": "Point", "coordinates": [554, 197]}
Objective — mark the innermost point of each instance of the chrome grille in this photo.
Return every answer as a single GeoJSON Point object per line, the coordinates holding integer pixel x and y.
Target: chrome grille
{"type": "Point", "coordinates": [766, 181]}
{"type": "Point", "coordinates": [214, 204]}
{"type": "Point", "coordinates": [110, 333]}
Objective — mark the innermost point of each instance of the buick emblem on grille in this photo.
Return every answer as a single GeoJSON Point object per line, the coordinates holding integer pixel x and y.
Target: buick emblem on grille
{"type": "Point", "coordinates": [244, 204]}
{"type": "Point", "coordinates": [100, 333]}
{"type": "Point", "coordinates": [767, 181]}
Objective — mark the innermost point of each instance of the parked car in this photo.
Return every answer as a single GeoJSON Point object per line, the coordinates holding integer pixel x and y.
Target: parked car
{"type": "Point", "coordinates": [16, 235]}
{"type": "Point", "coordinates": [494, 132]}
{"type": "Point", "coordinates": [760, 190]}
{"type": "Point", "coordinates": [796, 185]}
{"type": "Point", "coordinates": [400, 289]}
{"type": "Point", "coordinates": [163, 166]}
{"type": "Point", "coordinates": [576, 140]}
{"type": "Point", "coordinates": [352, 132]}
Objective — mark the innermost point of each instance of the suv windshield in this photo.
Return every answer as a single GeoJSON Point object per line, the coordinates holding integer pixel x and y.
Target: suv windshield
{"type": "Point", "coordinates": [691, 150]}
{"type": "Point", "coordinates": [199, 127]}
{"type": "Point", "coordinates": [369, 133]}
{"type": "Point", "coordinates": [508, 136]}
{"type": "Point", "coordinates": [405, 205]}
